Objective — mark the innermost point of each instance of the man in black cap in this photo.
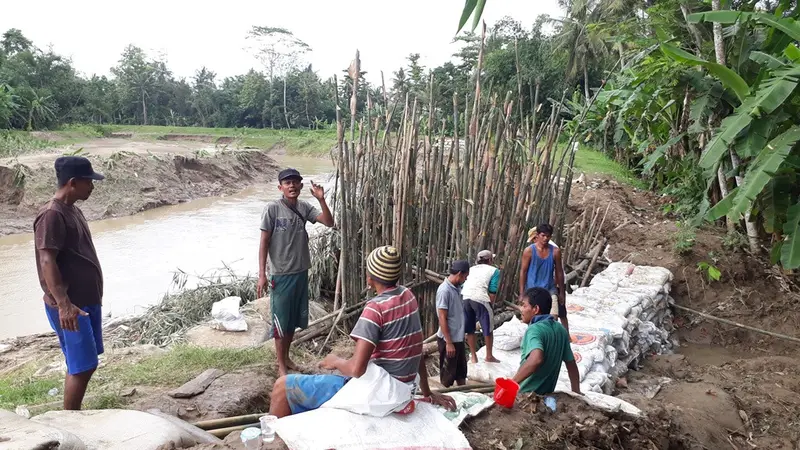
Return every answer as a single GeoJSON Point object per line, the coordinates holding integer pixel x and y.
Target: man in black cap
{"type": "Point", "coordinates": [450, 337]}
{"type": "Point", "coordinates": [284, 242]}
{"type": "Point", "coordinates": [70, 275]}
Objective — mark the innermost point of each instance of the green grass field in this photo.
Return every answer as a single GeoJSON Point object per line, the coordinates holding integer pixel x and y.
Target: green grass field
{"type": "Point", "coordinates": [295, 142]}
{"type": "Point", "coordinates": [169, 369]}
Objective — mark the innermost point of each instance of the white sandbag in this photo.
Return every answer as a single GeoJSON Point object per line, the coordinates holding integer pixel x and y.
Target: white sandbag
{"type": "Point", "coordinates": [326, 428]}
{"type": "Point", "coordinates": [376, 393]}
{"type": "Point", "coordinates": [19, 433]}
{"type": "Point", "coordinates": [488, 372]}
{"type": "Point", "coordinates": [118, 429]}
{"type": "Point", "coordinates": [468, 404]}
{"type": "Point", "coordinates": [508, 336]}
{"type": "Point", "coordinates": [226, 316]}
{"type": "Point", "coordinates": [607, 403]}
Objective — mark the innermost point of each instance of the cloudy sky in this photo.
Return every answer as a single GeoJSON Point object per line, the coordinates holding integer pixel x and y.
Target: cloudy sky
{"type": "Point", "coordinates": [93, 32]}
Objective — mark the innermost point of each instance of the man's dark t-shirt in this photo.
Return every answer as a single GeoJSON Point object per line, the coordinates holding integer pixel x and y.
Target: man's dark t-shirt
{"type": "Point", "coordinates": [62, 227]}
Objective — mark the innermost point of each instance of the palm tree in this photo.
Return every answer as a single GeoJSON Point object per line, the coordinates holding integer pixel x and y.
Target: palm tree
{"type": "Point", "coordinates": [583, 38]}
{"type": "Point", "coordinates": [8, 105]}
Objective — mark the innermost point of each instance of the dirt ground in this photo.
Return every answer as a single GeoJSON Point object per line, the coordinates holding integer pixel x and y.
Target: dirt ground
{"type": "Point", "coordinates": [140, 175]}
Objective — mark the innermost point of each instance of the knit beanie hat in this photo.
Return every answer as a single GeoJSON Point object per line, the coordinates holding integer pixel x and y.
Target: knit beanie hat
{"type": "Point", "coordinates": [384, 265]}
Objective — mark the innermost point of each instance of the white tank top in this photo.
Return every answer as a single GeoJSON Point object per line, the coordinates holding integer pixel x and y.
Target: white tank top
{"type": "Point", "coordinates": [476, 288]}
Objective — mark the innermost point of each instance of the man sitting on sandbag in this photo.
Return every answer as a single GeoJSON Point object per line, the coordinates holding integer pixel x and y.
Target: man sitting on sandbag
{"type": "Point", "coordinates": [544, 347]}
{"type": "Point", "coordinates": [388, 333]}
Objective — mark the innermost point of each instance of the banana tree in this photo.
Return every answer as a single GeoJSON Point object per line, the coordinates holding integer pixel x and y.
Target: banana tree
{"type": "Point", "coordinates": [762, 131]}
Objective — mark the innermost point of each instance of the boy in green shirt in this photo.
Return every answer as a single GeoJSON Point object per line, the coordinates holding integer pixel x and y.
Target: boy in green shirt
{"type": "Point", "coordinates": [544, 347]}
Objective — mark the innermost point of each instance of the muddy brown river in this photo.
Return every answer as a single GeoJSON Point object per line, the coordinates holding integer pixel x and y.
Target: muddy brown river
{"type": "Point", "coordinates": [140, 253]}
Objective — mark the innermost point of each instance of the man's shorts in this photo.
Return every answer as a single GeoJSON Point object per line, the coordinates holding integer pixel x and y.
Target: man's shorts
{"type": "Point", "coordinates": [477, 312]}
{"type": "Point", "coordinates": [562, 309]}
{"type": "Point", "coordinates": [81, 347]}
{"type": "Point", "coordinates": [307, 392]}
{"type": "Point", "coordinates": [452, 369]}
{"type": "Point", "coordinates": [288, 302]}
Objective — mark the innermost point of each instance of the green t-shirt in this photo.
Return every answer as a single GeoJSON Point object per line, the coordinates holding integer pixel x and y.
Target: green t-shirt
{"type": "Point", "coordinates": [551, 338]}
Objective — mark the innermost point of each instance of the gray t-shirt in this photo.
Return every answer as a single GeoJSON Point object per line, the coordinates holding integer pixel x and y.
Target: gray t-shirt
{"type": "Point", "coordinates": [288, 245]}
{"type": "Point", "coordinates": [449, 297]}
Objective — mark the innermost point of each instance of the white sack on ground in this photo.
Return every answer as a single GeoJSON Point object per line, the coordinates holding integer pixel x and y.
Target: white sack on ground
{"type": "Point", "coordinates": [226, 316]}
{"type": "Point", "coordinates": [376, 393]}
{"type": "Point", "coordinates": [117, 429]}
{"type": "Point", "coordinates": [425, 428]}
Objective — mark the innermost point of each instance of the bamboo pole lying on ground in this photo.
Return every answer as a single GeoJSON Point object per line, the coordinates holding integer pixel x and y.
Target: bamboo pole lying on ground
{"type": "Point", "coordinates": [737, 324]}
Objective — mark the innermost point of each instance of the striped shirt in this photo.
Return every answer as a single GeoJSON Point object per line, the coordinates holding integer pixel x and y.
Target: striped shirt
{"type": "Point", "coordinates": [391, 322]}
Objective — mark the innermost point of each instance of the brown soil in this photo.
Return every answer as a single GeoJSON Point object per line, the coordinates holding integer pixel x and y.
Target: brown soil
{"type": "Point", "coordinates": [197, 138]}
{"type": "Point", "coordinates": [134, 182]}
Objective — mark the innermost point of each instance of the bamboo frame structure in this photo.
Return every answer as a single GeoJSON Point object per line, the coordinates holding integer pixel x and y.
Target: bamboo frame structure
{"type": "Point", "coordinates": [439, 196]}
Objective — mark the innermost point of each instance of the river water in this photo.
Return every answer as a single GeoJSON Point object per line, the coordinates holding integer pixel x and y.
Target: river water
{"type": "Point", "coordinates": [139, 254]}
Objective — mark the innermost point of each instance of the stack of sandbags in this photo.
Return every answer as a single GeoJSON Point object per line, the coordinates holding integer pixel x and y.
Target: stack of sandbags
{"type": "Point", "coordinates": [621, 316]}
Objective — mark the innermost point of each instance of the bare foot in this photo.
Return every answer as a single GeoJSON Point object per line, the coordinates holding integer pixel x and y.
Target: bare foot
{"type": "Point", "coordinates": [292, 366]}
{"type": "Point", "coordinates": [282, 372]}
{"type": "Point", "coordinates": [492, 359]}
{"type": "Point", "coordinates": [474, 359]}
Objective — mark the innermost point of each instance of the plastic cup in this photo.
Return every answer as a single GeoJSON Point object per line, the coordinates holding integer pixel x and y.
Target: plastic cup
{"type": "Point", "coordinates": [505, 392]}
{"type": "Point", "coordinates": [268, 427]}
{"type": "Point", "coordinates": [251, 438]}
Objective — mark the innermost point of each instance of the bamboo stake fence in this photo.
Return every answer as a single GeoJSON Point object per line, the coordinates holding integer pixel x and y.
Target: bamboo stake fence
{"type": "Point", "coordinates": [438, 196]}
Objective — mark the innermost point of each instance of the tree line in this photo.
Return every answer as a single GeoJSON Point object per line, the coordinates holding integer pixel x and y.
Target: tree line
{"type": "Point", "coordinates": [699, 98]}
{"type": "Point", "coordinates": [40, 89]}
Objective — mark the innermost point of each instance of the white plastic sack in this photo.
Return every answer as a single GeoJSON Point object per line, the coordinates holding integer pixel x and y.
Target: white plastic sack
{"type": "Point", "coordinates": [326, 428]}
{"type": "Point", "coordinates": [468, 404]}
{"type": "Point", "coordinates": [508, 336]}
{"type": "Point", "coordinates": [376, 393]}
{"type": "Point", "coordinates": [226, 315]}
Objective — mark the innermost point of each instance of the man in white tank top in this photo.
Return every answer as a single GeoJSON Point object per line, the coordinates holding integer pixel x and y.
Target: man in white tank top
{"type": "Point", "coordinates": [478, 293]}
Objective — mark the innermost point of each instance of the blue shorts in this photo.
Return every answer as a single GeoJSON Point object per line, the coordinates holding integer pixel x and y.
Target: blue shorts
{"type": "Point", "coordinates": [307, 392]}
{"type": "Point", "coordinates": [477, 312]}
{"type": "Point", "coordinates": [81, 347]}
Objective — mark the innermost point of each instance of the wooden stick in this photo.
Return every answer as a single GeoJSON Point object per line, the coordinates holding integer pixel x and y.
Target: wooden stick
{"type": "Point", "coordinates": [597, 252]}
{"type": "Point", "coordinates": [739, 325]}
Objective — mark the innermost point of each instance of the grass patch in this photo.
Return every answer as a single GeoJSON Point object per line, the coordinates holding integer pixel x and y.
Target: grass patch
{"type": "Point", "coordinates": [169, 369]}
{"type": "Point", "coordinates": [183, 362]}
{"type": "Point", "coordinates": [594, 162]}
{"type": "Point", "coordinates": [14, 143]}
{"type": "Point", "coordinates": [296, 142]}
{"type": "Point", "coordinates": [20, 388]}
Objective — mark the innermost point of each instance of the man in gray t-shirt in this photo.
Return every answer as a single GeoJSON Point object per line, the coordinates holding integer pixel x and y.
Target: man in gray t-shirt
{"type": "Point", "coordinates": [450, 337]}
{"type": "Point", "coordinates": [284, 242]}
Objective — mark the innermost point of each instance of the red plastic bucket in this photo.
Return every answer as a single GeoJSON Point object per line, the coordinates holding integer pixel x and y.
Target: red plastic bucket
{"type": "Point", "coordinates": [505, 392]}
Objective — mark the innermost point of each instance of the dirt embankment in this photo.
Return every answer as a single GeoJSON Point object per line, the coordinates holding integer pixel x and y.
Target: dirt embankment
{"type": "Point", "coordinates": [135, 181]}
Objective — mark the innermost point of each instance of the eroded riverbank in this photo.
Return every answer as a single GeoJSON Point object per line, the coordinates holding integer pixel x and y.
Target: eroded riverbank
{"type": "Point", "coordinates": [140, 252]}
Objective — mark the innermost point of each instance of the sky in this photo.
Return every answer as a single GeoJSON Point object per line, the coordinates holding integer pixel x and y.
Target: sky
{"type": "Point", "coordinates": [93, 33]}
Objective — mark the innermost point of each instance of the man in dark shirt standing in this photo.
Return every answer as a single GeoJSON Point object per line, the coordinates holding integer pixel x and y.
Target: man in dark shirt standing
{"type": "Point", "coordinates": [70, 275]}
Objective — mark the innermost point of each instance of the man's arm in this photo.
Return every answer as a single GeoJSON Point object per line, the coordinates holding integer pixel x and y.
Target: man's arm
{"type": "Point", "coordinates": [263, 252]}
{"type": "Point", "coordinates": [67, 312]}
{"type": "Point", "coordinates": [325, 218]}
{"type": "Point", "coordinates": [356, 365]}
{"type": "Point", "coordinates": [574, 376]}
{"type": "Point", "coordinates": [530, 366]}
{"type": "Point", "coordinates": [494, 285]}
{"type": "Point", "coordinates": [523, 270]}
{"type": "Point", "coordinates": [451, 349]}
{"type": "Point", "coordinates": [559, 269]}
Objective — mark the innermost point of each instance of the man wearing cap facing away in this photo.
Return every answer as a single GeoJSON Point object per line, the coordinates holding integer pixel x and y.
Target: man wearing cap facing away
{"type": "Point", "coordinates": [284, 241]}
{"type": "Point", "coordinates": [479, 296]}
{"type": "Point", "coordinates": [450, 336]}
{"type": "Point", "coordinates": [70, 275]}
{"type": "Point", "coordinates": [388, 333]}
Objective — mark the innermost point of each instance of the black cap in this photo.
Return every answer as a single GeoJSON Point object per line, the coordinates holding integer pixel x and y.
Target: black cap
{"type": "Point", "coordinates": [68, 167]}
{"type": "Point", "coordinates": [459, 265]}
{"type": "Point", "coordinates": [285, 174]}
